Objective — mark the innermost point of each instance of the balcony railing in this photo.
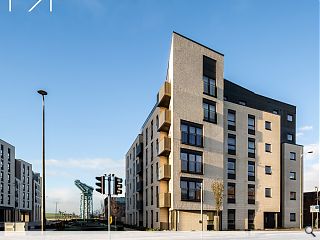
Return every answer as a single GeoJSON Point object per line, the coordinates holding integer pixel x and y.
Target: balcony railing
{"type": "Point", "coordinates": [139, 150]}
{"type": "Point", "coordinates": [164, 120]}
{"type": "Point", "coordinates": [164, 172]}
{"type": "Point", "coordinates": [164, 147]}
{"type": "Point", "coordinates": [164, 95]}
{"type": "Point", "coordinates": [139, 186]}
{"type": "Point", "coordinates": [164, 200]}
{"type": "Point", "coordinates": [139, 168]}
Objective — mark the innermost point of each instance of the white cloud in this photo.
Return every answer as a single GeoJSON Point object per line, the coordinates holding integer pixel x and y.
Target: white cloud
{"type": "Point", "coordinates": [311, 177]}
{"type": "Point", "coordinates": [305, 128]}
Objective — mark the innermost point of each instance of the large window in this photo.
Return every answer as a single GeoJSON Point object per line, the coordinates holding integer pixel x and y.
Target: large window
{"type": "Point", "coordinates": [190, 189]}
{"type": "Point", "coordinates": [209, 111]}
{"type": "Point", "coordinates": [251, 124]}
{"type": "Point", "coordinates": [251, 194]}
{"type": "Point", "coordinates": [251, 147]}
{"type": "Point", "coordinates": [292, 176]}
{"type": "Point", "coordinates": [209, 86]}
{"type": "Point", "coordinates": [231, 219]}
{"type": "Point", "coordinates": [231, 193]}
{"type": "Point", "coordinates": [231, 168]}
{"type": "Point", "coordinates": [231, 144]}
{"type": "Point", "coordinates": [191, 134]}
{"type": "Point", "coordinates": [231, 120]}
{"type": "Point", "coordinates": [251, 171]}
{"type": "Point", "coordinates": [191, 161]}
{"type": "Point", "coordinates": [251, 215]}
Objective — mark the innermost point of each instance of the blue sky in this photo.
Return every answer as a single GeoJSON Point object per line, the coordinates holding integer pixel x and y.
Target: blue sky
{"type": "Point", "coordinates": [103, 61]}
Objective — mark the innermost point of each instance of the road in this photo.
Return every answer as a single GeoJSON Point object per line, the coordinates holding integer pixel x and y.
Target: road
{"type": "Point", "coordinates": [126, 235]}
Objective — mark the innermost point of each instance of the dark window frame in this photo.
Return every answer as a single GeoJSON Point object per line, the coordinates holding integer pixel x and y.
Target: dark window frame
{"type": "Point", "coordinates": [252, 151]}
{"type": "Point", "coordinates": [195, 153]}
{"type": "Point", "coordinates": [231, 172]}
{"type": "Point", "coordinates": [197, 189]}
{"type": "Point", "coordinates": [232, 151]}
{"type": "Point", "coordinates": [293, 156]}
{"type": "Point", "coordinates": [252, 177]}
{"type": "Point", "coordinates": [251, 127]}
{"type": "Point", "coordinates": [231, 197]}
{"type": "Point", "coordinates": [231, 221]}
{"type": "Point", "coordinates": [294, 196]}
{"type": "Point", "coordinates": [186, 135]}
{"type": "Point", "coordinates": [251, 197]}
{"type": "Point", "coordinates": [268, 192]}
{"type": "Point", "coordinates": [293, 217]}
{"type": "Point", "coordinates": [294, 175]}
{"type": "Point", "coordinates": [207, 111]}
{"type": "Point", "coordinates": [267, 125]}
{"type": "Point", "coordinates": [268, 172]}
{"type": "Point", "coordinates": [267, 147]}
{"type": "Point", "coordinates": [209, 86]}
{"type": "Point", "coordinates": [232, 123]}
{"type": "Point", "coordinates": [251, 213]}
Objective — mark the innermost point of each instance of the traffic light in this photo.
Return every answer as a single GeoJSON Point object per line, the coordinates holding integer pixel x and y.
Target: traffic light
{"type": "Point", "coordinates": [117, 185]}
{"type": "Point", "coordinates": [100, 183]}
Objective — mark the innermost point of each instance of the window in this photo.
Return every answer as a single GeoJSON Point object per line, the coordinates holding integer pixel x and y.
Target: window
{"type": "Point", "coordinates": [231, 219]}
{"type": "Point", "coordinates": [251, 194]}
{"type": "Point", "coordinates": [268, 147]}
{"type": "Point", "coordinates": [151, 152]}
{"type": "Point", "coordinates": [209, 86]}
{"type": "Point", "coordinates": [290, 118]}
{"type": "Point", "coordinates": [268, 170]}
{"type": "Point", "coordinates": [251, 171]}
{"type": "Point", "coordinates": [151, 128]}
{"type": "Point", "coordinates": [292, 156]}
{"type": "Point", "coordinates": [151, 195]}
{"type": "Point", "coordinates": [209, 111]}
{"type": "Point", "coordinates": [267, 125]}
{"type": "Point", "coordinates": [146, 136]}
{"type": "Point", "coordinates": [231, 120]}
{"type": "Point", "coordinates": [292, 217]}
{"type": "Point", "coordinates": [191, 161]}
{"type": "Point", "coordinates": [190, 189]}
{"type": "Point", "coordinates": [267, 192]}
{"type": "Point", "coordinates": [157, 216]}
{"type": "Point", "coordinates": [191, 134]}
{"type": "Point", "coordinates": [290, 137]}
{"type": "Point", "coordinates": [146, 196]}
{"type": "Point", "coordinates": [251, 147]}
{"type": "Point", "coordinates": [232, 144]}
{"type": "Point", "coordinates": [147, 219]}
{"type": "Point", "coordinates": [146, 176]}
{"type": "Point", "coordinates": [243, 103]}
{"type": "Point", "coordinates": [292, 176]}
{"type": "Point", "coordinates": [1, 151]}
{"type": "Point", "coordinates": [157, 146]}
{"type": "Point", "coordinates": [231, 193]}
{"type": "Point", "coordinates": [231, 168]}
{"type": "Point", "coordinates": [147, 156]}
{"type": "Point", "coordinates": [251, 215]}
{"type": "Point", "coordinates": [157, 170]}
{"type": "Point", "coordinates": [157, 121]}
{"type": "Point", "coordinates": [293, 195]}
{"type": "Point", "coordinates": [151, 173]}
{"type": "Point", "coordinates": [157, 196]}
{"type": "Point", "coordinates": [251, 124]}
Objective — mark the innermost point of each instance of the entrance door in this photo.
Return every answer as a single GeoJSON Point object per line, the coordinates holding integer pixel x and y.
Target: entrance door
{"type": "Point", "coordinates": [269, 220]}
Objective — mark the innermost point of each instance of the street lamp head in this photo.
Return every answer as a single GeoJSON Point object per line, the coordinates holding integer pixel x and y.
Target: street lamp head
{"type": "Point", "coordinates": [311, 151]}
{"type": "Point", "coordinates": [42, 92]}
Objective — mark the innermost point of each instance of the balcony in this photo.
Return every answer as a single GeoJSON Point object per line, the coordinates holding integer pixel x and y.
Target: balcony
{"type": "Point", "coordinates": [139, 150]}
{"type": "Point", "coordinates": [164, 95]}
{"type": "Point", "coordinates": [164, 147]}
{"type": "Point", "coordinates": [164, 200]}
{"type": "Point", "coordinates": [139, 205]}
{"type": "Point", "coordinates": [139, 186]}
{"type": "Point", "coordinates": [165, 172]}
{"type": "Point", "coordinates": [164, 120]}
{"type": "Point", "coordinates": [139, 168]}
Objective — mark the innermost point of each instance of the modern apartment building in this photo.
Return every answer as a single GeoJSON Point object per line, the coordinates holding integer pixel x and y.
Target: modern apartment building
{"type": "Point", "coordinates": [7, 187]}
{"type": "Point", "coordinates": [205, 128]}
{"type": "Point", "coordinates": [36, 197]}
{"type": "Point", "coordinates": [24, 190]}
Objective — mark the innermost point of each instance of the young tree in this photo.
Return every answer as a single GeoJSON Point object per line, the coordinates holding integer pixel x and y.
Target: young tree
{"type": "Point", "coordinates": [217, 189]}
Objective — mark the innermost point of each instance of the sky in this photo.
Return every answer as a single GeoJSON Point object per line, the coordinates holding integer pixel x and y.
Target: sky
{"type": "Point", "coordinates": [103, 62]}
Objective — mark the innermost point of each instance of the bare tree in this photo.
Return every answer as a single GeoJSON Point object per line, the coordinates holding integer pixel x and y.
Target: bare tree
{"type": "Point", "coordinates": [217, 189]}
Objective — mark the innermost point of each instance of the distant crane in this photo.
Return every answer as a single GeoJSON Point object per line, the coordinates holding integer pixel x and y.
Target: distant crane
{"type": "Point", "coordinates": [86, 203]}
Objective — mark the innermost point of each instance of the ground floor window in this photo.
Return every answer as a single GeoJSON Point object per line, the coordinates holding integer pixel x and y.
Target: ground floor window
{"type": "Point", "coordinates": [292, 217]}
{"type": "Point", "coordinates": [251, 214]}
{"type": "Point", "coordinates": [231, 219]}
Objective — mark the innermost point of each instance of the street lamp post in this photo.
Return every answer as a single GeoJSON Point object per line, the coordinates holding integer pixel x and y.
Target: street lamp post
{"type": "Point", "coordinates": [317, 221]}
{"type": "Point", "coordinates": [43, 189]}
{"type": "Point", "coordinates": [301, 187]}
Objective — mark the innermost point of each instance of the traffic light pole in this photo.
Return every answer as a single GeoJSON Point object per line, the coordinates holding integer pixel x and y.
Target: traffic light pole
{"type": "Point", "coordinates": [109, 200]}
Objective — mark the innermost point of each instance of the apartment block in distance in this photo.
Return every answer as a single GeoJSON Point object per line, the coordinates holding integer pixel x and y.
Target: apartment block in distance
{"type": "Point", "coordinates": [205, 128]}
